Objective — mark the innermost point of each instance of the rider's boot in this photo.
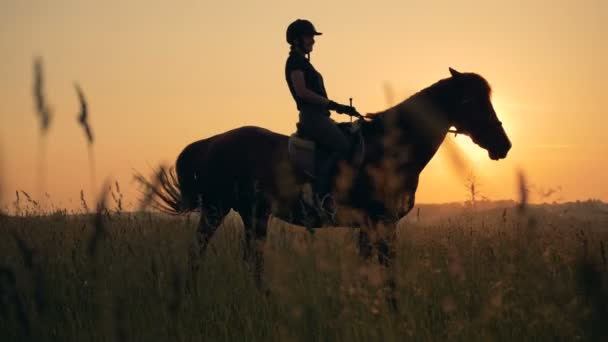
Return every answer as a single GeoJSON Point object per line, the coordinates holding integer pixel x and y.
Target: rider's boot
{"type": "Point", "coordinates": [324, 196]}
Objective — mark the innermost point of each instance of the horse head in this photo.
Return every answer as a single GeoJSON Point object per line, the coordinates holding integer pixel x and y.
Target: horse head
{"type": "Point", "coordinates": [472, 114]}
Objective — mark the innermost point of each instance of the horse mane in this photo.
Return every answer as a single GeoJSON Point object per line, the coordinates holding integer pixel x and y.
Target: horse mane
{"type": "Point", "coordinates": [468, 79]}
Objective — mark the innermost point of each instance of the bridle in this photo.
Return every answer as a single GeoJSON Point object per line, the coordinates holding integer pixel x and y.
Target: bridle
{"type": "Point", "coordinates": [457, 131]}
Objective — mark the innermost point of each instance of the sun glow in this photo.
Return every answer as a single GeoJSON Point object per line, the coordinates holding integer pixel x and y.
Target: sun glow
{"type": "Point", "coordinates": [473, 152]}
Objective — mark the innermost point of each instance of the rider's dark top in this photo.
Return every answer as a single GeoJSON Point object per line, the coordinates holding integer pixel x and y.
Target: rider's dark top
{"type": "Point", "coordinates": [312, 79]}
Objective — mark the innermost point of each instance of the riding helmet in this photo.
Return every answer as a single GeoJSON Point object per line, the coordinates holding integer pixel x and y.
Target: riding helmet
{"type": "Point", "coordinates": [300, 27]}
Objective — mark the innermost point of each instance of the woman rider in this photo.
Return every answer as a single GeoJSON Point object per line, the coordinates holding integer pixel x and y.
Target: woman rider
{"type": "Point", "coordinates": [307, 88]}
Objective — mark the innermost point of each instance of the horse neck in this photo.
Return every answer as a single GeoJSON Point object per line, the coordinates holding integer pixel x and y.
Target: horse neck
{"type": "Point", "coordinates": [424, 123]}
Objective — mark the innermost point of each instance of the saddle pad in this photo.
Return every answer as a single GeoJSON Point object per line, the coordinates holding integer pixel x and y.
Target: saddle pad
{"type": "Point", "coordinates": [302, 153]}
{"type": "Point", "coordinates": [298, 142]}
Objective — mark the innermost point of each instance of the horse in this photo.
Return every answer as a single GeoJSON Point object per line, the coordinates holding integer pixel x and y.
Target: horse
{"type": "Point", "coordinates": [247, 169]}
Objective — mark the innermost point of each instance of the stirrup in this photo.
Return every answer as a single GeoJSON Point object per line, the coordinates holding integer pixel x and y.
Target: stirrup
{"type": "Point", "coordinates": [326, 202]}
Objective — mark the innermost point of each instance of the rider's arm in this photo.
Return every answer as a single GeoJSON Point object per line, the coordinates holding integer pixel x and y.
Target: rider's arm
{"type": "Point", "coordinates": [299, 85]}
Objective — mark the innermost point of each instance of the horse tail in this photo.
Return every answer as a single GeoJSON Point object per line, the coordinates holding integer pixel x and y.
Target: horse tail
{"type": "Point", "coordinates": [173, 190]}
{"type": "Point", "coordinates": [186, 182]}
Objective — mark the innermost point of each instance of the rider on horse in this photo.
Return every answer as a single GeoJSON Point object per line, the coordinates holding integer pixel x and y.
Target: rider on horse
{"type": "Point", "coordinates": [307, 88]}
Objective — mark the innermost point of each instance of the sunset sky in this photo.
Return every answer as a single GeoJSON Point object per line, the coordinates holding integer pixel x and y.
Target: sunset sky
{"type": "Point", "coordinates": [161, 74]}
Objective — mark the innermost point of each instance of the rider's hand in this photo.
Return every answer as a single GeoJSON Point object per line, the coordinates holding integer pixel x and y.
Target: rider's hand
{"type": "Point", "coordinates": [340, 108]}
{"type": "Point", "coordinates": [352, 111]}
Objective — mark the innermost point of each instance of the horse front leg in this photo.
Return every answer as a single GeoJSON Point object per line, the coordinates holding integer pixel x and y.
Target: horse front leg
{"type": "Point", "coordinates": [365, 244]}
{"type": "Point", "coordinates": [253, 249]}
{"type": "Point", "coordinates": [385, 242]}
{"type": "Point", "coordinates": [378, 239]}
{"type": "Point", "coordinates": [385, 247]}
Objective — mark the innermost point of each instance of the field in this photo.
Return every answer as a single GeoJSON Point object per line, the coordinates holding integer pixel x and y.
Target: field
{"type": "Point", "coordinates": [492, 273]}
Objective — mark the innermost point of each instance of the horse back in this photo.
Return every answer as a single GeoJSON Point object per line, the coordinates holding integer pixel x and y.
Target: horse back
{"type": "Point", "coordinates": [247, 152]}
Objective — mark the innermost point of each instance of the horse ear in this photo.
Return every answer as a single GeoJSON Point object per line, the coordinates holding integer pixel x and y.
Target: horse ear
{"type": "Point", "coordinates": [454, 72]}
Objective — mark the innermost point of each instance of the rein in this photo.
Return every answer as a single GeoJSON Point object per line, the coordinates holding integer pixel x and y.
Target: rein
{"type": "Point", "coordinates": [456, 131]}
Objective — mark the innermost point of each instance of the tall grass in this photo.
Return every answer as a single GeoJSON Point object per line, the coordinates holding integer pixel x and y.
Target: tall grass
{"type": "Point", "coordinates": [83, 121]}
{"type": "Point", "coordinates": [472, 276]}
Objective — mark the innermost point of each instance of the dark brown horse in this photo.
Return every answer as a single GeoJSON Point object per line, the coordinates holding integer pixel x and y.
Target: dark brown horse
{"type": "Point", "coordinates": [247, 169]}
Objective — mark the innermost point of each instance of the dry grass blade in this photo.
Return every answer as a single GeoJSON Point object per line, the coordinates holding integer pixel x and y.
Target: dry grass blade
{"type": "Point", "coordinates": [523, 190]}
{"type": "Point", "coordinates": [472, 186]}
{"type": "Point", "coordinates": [7, 275]}
{"type": "Point", "coordinates": [117, 196]}
{"type": "Point", "coordinates": [458, 159]}
{"type": "Point", "coordinates": [83, 120]}
{"type": "Point", "coordinates": [44, 114]}
{"type": "Point", "coordinates": [162, 192]}
{"type": "Point", "coordinates": [83, 117]}
{"type": "Point", "coordinates": [100, 229]}
{"type": "Point", "coordinates": [177, 285]}
{"type": "Point", "coordinates": [29, 256]}
{"type": "Point", "coordinates": [41, 293]}
{"type": "Point", "coordinates": [17, 203]}
{"type": "Point", "coordinates": [9, 295]}
{"type": "Point", "coordinates": [603, 254]}
{"type": "Point", "coordinates": [430, 123]}
{"type": "Point", "coordinates": [389, 93]}
{"type": "Point", "coordinates": [29, 198]}
{"type": "Point", "coordinates": [27, 253]}
{"type": "Point", "coordinates": [2, 209]}
{"type": "Point", "coordinates": [42, 108]}
{"type": "Point", "coordinates": [549, 192]}
{"type": "Point", "coordinates": [83, 202]}
{"type": "Point", "coordinates": [120, 317]}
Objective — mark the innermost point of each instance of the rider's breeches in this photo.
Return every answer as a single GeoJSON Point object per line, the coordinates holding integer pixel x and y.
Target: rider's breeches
{"type": "Point", "coordinates": [325, 133]}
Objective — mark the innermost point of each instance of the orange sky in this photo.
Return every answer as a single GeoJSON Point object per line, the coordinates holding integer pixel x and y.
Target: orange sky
{"type": "Point", "coordinates": [160, 74]}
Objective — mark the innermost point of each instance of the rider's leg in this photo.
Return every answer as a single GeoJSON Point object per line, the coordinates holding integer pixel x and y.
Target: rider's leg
{"type": "Point", "coordinates": [326, 133]}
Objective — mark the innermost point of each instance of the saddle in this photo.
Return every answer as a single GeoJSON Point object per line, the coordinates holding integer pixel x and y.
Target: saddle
{"type": "Point", "coordinates": [304, 153]}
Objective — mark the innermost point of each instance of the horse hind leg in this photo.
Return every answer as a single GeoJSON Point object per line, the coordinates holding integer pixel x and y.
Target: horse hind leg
{"type": "Point", "coordinates": [211, 218]}
{"type": "Point", "coordinates": [254, 210]}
